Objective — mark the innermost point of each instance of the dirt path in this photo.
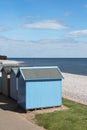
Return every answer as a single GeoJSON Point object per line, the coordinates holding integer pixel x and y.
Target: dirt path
{"type": "Point", "coordinates": [11, 117]}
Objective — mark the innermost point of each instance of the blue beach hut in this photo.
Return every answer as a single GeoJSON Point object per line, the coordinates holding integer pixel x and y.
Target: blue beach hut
{"type": "Point", "coordinates": [39, 87]}
{"type": "Point", "coordinates": [14, 83]}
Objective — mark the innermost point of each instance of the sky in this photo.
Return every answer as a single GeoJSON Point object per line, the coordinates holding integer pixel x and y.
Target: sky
{"type": "Point", "coordinates": [43, 28]}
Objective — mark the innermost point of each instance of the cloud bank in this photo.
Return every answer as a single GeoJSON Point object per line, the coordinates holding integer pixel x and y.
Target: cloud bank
{"type": "Point", "coordinates": [54, 48]}
{"type": "Point", "coordinates": [78, 33]}
{"type": "Point", "coordinates": [45, 24]}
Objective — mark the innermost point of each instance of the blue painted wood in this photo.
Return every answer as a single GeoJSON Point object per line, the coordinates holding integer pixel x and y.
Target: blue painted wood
{"type": "Point", "coordinates": [21, 92]}
{"type": "Point", "coordinates": [43, 94]}
{"type": "Point", "coordinates": [39, 93]}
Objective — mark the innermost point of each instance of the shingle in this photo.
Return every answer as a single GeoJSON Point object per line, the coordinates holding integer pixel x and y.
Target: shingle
{"type": "Point", "coordinates": [41, 73]}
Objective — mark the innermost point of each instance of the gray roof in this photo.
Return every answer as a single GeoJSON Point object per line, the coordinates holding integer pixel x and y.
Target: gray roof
{"type": "Point", "coordinates": [15, 70]}
{"type": "Point", "coordinates": [10, 65]}
{"type": "Point", "coordinates": [10, 62]}
{"type": "Point", "coordinates": [8, 69]}
{"type": "Point", "coordinates": [41, 73]}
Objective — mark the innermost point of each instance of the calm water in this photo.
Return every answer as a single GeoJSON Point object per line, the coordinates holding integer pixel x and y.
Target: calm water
{"type": "Point", "coordinates": [70, 65]}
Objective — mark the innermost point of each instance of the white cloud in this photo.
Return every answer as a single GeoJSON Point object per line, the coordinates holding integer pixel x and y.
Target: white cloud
{"type": "Point", "coordinates": [46, 24]}
{"type": "Point", "coordinates": [78, 33]}
{"type": "Point", "coordinates": [61, 42]}
{"type": "Point", "coordinates": [31, 16]}
{"type": "Point", "coordinates": [43, 48]}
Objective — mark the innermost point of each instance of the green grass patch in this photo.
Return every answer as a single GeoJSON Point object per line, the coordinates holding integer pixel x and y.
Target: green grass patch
{"type": "Point", "coordinates": [74, 118]}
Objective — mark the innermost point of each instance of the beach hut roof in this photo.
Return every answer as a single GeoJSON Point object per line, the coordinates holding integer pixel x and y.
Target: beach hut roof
{"type": "Point", "coordinates": [10, 63]}
{"type": "Point", "coordinates": [7, 65]}
{"type": "Point", "coordinates": [40, 73]}
{"type": "Point", "coordinates": [15, 70]}
{"type": "Point", "coordinates": [8, 69]}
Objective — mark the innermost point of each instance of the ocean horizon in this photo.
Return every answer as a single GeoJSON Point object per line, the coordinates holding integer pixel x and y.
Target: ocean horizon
{"type": "Point", "coordinates": [66, 65]}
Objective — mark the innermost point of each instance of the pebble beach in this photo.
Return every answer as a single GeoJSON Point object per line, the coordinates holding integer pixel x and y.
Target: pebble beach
{"type": "Point", "coordinates": [75, 87]}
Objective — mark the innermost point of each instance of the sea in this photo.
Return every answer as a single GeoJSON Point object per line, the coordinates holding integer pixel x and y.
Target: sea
{"type": "Point", "coordinates": [66, 65]}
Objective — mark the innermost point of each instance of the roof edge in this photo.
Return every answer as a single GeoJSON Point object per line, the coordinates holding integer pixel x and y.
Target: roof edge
{"type": "Point", "coordinates": [44, 79]}
{"type": "Point", "coordinates": [38, 67]}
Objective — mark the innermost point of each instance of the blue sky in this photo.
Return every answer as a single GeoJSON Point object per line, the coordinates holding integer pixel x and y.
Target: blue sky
{"type": "Point", "coordinates": [43, 28]}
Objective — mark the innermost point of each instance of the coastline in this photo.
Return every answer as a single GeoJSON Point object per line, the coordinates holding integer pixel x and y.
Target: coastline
{"type": "Point", "coordinates": [75, 87]}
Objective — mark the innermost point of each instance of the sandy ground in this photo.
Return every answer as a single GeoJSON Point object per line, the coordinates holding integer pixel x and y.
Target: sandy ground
{"type": "Point", "coordinates": [30, 115]}
{"type": "Point", "coordinates": [75, 87]}
{"type": "Point", "coordinates": [11, 116]}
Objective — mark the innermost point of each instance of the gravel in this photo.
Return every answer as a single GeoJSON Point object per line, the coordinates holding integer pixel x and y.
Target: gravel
{"type": "Point", "coordinates": [75, 87]}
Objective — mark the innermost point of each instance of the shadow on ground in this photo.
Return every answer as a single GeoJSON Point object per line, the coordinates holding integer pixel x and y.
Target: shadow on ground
{"type": "Point", "coordinates": [8, 104]}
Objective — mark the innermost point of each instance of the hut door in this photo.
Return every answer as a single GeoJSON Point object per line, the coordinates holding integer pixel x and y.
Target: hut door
{"type": "Point", "coordinates": [8, 78]}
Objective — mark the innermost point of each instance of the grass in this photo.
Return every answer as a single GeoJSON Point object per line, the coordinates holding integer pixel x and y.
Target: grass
{"type": "Point", "coordinates": [74, 118]}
